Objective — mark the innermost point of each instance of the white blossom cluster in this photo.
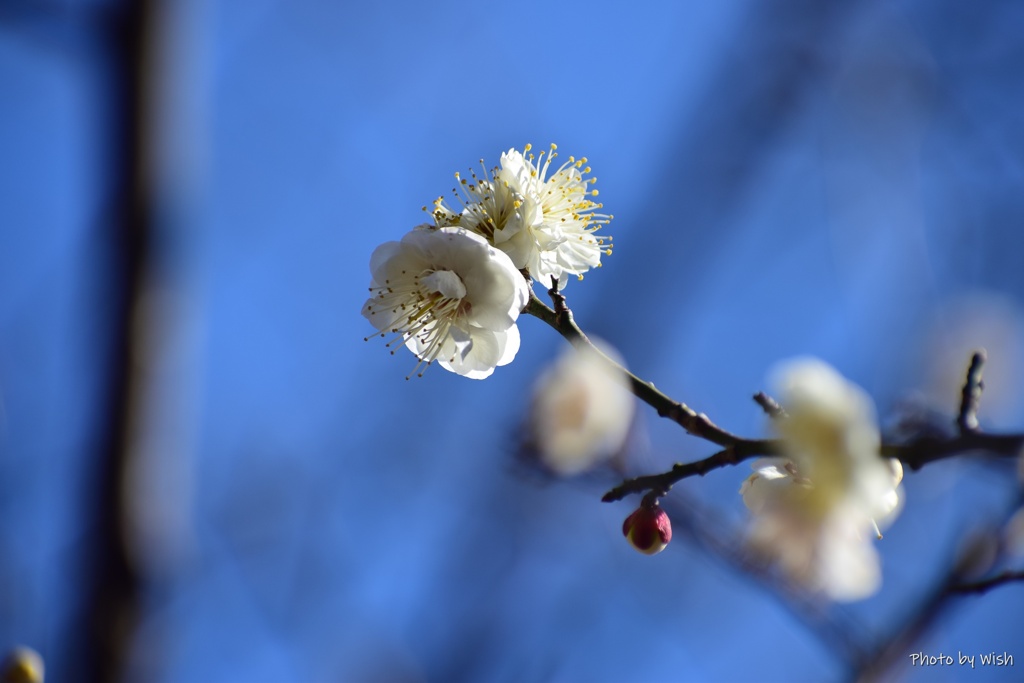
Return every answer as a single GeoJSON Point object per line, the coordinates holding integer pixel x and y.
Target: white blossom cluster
{"type": "Point", "coordinates": [818, 508]}
{"type": "Point", "coordinates": [453, 290]}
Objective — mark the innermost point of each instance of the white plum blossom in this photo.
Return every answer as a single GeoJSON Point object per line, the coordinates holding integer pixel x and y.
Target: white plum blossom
{"type": "Point", "coordinates": [772, 476]}
{"type": "Point", "coordinates": [449, 297]}
{"type": "Point", "coordinates": [546, 224]}
{"type": "Point", "coordinates": [817, 508]}
{"type": "Point", "coordinates": [581, 412]}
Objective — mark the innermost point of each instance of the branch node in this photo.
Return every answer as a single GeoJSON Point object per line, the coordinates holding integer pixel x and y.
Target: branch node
{"type": "Point", "coordinates": [650, 501]}
{"type": "Point", "coordinates": [557, 298]}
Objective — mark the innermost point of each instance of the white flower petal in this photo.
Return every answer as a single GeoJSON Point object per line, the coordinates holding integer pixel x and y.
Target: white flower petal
{"type": "Point", "coordinates": [545, 223]}
{"type": "Point", "coordinates": [497, 296]}
{"type": "Point", "coordinates": [479, 357]}
{"type": "Point", "coordinates": [448, 296]}
{"type": "Point", "coordinates": [508, 345]}
{"type": "Point", "coordinates": [815, 509]}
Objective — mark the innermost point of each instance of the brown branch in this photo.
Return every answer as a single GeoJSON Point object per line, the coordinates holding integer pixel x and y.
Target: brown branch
{"type": "Point", "coordinates": [736, 449]}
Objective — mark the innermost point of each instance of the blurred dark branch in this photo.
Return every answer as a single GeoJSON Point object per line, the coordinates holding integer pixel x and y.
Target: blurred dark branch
{"type": "Point", "coordinates": [920, 452]}
{"type": "Point", "coordinates": [707, 528]}
{"type": "Point", "coordinates": [915, 453]}
{"type": "Point", "coordinates": [986, 548]}
{"type": "Point", "coordinates": [985, 585]}
{"type": "Point", "coordinates": [113, 602]}
{"type": "Point", "coordinates": [890, 651]}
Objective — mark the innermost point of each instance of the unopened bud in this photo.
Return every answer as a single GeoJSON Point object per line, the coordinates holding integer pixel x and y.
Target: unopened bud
{"type": "Point", "coordinates": [648, 530]}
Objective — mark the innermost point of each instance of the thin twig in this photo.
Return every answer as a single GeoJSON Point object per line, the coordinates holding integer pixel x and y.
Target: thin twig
{"type": "Point", "coordinates": [970, 397]}
{"type": "Point", "coordinates": [770, 406]}
{"type": "Point", "coordinates": [662, 483]}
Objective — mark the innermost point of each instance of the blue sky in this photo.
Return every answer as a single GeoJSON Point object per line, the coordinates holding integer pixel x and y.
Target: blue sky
{"type": "Point", "coordinates": [787, 178]}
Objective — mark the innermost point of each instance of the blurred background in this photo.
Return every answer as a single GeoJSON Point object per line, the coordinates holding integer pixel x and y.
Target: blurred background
{"type": "Point", "coordinates": [207, 475]}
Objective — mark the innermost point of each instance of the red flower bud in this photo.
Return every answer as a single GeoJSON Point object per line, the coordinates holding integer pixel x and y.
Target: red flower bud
{"type": "Point", "coordinates": [648, 530]}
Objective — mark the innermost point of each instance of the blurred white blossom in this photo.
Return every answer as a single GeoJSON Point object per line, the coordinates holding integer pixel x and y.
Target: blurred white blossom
{"type": "Point", "coordinates": [817, 508]}
{"type": "Point", "coordinates": [547, 225]}
{"type": "Point", "coordinates": [581, 412]}
{"type": "Point", "coordinates": [448, 296]}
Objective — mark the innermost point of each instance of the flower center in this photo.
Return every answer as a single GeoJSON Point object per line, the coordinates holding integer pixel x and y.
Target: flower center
{"type": "Point", "coordinates": [446, 283]}
{"type": "Point", "coordinates": [423, 306]}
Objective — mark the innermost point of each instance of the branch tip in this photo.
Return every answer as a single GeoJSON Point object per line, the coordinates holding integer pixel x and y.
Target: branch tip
{"type": "Point", "coordinates": [770, 406]}
{"type": "Point", "coordinates": [970, 396]}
